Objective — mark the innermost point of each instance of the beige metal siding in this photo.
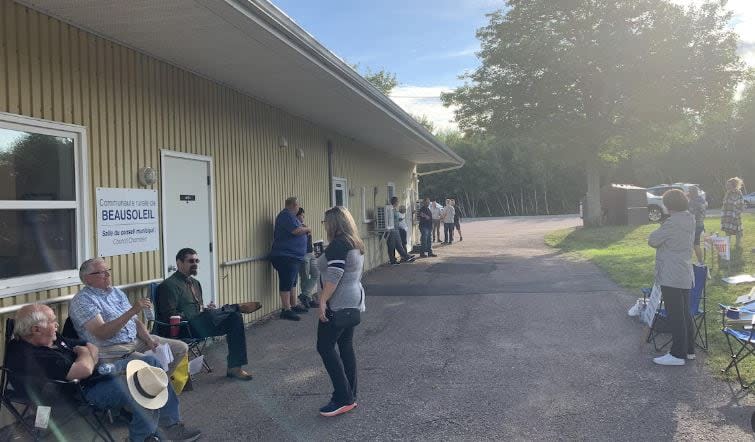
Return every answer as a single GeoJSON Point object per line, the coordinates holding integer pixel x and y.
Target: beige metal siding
{"type": "Point", "coordinates": [133, 106]}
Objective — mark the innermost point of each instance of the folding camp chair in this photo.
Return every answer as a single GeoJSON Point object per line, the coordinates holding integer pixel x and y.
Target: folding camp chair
{"type": "Point", "coordinates": [196, 345]}
{"type": "Point", "coordinates": [738, 325]}
{"type": "Point", "coordinates": [17, 396]}
{"type": "Point", "coordinates": [697, 307]}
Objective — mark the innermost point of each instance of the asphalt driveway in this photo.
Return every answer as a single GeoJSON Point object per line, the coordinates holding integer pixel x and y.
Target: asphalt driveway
{"type": "Point", "coordinates": [499, 338]}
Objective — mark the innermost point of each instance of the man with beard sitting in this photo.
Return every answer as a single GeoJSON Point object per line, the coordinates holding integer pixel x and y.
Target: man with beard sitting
{"type": "Point", "coordinates": [181, 295]}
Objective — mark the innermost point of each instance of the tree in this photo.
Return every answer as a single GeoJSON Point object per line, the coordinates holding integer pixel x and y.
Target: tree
{"type": "Point", "coordinates": [592, 81]}
{"type": "Point", "coordinates": [425, 121]}
{"type": "Point", "coordinates": [383, 80]}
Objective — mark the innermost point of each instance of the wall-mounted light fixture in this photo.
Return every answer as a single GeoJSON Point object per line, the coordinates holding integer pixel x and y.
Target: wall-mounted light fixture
{"type": "Point", "coordinates": [282, 142]}
{"type": "Point", "coordinates": [300, 152]}
{"type": "Point", "coordinates": [147, 176]}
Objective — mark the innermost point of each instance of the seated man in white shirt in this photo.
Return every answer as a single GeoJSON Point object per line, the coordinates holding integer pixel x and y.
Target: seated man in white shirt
{"type": "Point", "coordinates": [103, 315]}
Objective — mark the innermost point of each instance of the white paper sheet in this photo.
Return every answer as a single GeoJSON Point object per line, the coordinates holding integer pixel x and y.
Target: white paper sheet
{"type": "Point", "coordinates": [654, 301]}
{"type": "Point", "coordinates": [195, 365]}
{"type": "Point", "coordinates": [739, 279]}
{"type": "Point", "coordinates": [163, 354]}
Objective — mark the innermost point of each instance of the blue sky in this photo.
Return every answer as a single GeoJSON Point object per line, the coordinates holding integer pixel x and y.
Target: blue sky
{"type": "Point", "coordinates": [429, 43]}
{"type": "Point", "coordinates": [426, 43]}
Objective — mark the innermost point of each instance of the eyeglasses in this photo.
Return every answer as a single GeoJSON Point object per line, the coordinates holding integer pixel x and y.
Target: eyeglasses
{"type": "Point", "coordinates": [103, 272]}
{"type": "Point", "coordinates": [192, 261]}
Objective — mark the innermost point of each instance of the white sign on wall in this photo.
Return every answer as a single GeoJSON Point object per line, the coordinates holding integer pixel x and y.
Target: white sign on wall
{"type": "Point", "coordinates": [127, 221]}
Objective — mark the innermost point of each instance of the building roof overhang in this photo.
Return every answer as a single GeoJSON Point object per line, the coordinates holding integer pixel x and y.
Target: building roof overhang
{"type": "Point", "coordinates": [253, 47]}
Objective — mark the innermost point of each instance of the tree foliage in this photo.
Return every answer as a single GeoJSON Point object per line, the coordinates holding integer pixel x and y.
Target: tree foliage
{"type": "Point", "coordinates": [383, 80]}
{"type": "Point", "coordinates": [593, 82]}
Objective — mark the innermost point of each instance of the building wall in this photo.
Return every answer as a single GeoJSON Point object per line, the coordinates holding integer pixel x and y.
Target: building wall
{"type": "Point", "coordinates": [133, 106]}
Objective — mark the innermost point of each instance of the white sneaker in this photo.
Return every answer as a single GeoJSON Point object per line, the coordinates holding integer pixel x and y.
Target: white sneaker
{"type": "Point", "coordinates": [668, 359]}
{"type": "Point", "coordinates": [691, 356]}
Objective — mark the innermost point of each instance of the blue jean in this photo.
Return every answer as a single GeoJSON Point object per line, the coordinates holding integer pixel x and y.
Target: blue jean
{"type": "Point", "coordinates": [426, 239]}
{"type": "Point", "coordinates": [448, 230]}
{"type": "Point", "coordinates": [113, 393]}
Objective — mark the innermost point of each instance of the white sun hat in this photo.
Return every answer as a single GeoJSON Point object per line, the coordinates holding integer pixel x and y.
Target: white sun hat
{"type": "Point", "coordinates": [148, 385]}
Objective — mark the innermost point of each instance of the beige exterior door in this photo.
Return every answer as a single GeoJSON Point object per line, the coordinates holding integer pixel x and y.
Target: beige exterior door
{"type": "Point", "coordinates": [188, 215]}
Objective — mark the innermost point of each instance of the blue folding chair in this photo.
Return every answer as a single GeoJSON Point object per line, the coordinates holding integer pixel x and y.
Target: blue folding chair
{"type": "Point", "coordinates": [697, 307]}
{"type": "Point", "coordinates": [738, 325]}
{"type": "Point", "coordinates": [196, 345]}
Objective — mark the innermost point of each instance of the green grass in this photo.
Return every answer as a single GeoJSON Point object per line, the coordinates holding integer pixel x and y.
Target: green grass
{"type": "Point", "coordinates": [623, 253]}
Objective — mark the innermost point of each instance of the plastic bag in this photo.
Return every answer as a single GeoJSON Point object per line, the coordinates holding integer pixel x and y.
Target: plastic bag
{"type": "Point", "coordinates": [181, 375]}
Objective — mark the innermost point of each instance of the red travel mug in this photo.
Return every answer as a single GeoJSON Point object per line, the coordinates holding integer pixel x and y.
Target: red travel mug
{"type": "Point", "coordinates": [174, 328]}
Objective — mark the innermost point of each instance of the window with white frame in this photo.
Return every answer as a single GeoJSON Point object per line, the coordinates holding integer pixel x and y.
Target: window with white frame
{"type": "Point", "coordinates": [340, 192]}
{"type": "Point", "coordinates": [391, 191]}
{"type": "Point", "coordinates": [42, 216]}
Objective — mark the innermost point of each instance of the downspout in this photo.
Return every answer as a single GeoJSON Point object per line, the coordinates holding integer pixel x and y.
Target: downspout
{"type": "Point", "coordinates": [330, 173]}
{"type": "Point", "coordinates": [430, 172]}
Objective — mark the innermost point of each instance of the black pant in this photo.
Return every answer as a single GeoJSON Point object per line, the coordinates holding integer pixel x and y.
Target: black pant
{"type": "Point", "coordinates": [402, 233]}
{"type": "Point", "coordinates": [448, 229]}
{"type": "Point", "coordinates": [680, 321]}
{"type": "Point", "coordinates": [219, 322]}
{"type": "Point", "coordinates": [341, 365]}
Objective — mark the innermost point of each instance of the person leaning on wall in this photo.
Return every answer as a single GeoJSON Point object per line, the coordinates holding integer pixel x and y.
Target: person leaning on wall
{"type": "Point", "coordinates": [731, 211]}
{"type": "Point", "coordinates": [287, 254]}
{"type": "Point", "coordinates": [393, 242]}
{"type": "Point", "coordinates": [673, 273]}
{"type": "Point", "coordinates": [308, 272]}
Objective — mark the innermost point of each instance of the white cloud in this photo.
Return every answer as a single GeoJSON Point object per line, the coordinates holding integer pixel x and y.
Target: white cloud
{"type": "Point", "coordinates": [466, 52]}
{"type": "Point", "coordinates": [425, 100]}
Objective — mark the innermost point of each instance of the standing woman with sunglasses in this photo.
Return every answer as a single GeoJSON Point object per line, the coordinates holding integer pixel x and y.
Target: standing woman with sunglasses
{"type": "Point", "coordinates": [341, 303]}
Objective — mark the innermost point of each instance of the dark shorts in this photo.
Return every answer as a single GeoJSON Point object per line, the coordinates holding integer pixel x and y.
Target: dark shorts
{"type": "Point", "coordinates": [698, 232]}
{"type": "Point", "coordinates": [288, 271]}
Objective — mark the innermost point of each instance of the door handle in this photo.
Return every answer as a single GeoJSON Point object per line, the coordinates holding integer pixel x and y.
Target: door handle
{"type": "Point", "coordinates": [172, 268]}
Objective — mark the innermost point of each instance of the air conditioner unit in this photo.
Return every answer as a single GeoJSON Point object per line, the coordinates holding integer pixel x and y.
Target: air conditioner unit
{"type": "Point", "coordinates": [384, 218]}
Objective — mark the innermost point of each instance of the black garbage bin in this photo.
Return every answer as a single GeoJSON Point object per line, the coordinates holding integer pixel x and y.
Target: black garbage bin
{"type": "Point", "coordinates": [624, 204]}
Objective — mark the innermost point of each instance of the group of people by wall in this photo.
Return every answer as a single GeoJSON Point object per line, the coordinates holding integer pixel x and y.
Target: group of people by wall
{"type": "Point", "coordinates": [108, 331]}
{"type": "Point", "coordinates": [431, 216]}
{"type": "Point", "coordinates": [675, 241]}
{"type": "Point", "coordinates": [337, 269]}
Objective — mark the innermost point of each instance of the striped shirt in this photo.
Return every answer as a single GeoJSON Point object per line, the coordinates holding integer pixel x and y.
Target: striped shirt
{"type": "Point", "coordinates": [342, 266]}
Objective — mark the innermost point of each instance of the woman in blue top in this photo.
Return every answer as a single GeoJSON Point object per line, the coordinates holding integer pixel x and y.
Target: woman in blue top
{"type": "Point", "coordinates": [287, 255]}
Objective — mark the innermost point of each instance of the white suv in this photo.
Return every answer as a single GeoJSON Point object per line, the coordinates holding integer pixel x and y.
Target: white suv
{"type": "Point", "coordinates": [656, 209]}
